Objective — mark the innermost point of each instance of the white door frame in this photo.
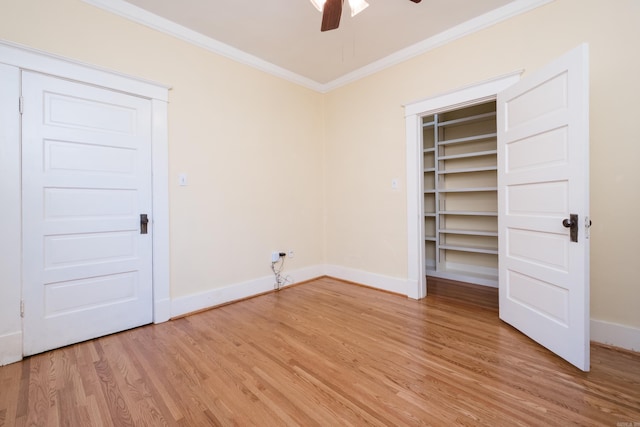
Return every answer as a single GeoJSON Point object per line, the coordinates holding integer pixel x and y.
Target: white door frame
{"type": "Point", "coordinates": [10, 217]}
{"type": "Point", "coordinates": [24, 58]}
{"type": "Point", "coordinates": [474, 94]}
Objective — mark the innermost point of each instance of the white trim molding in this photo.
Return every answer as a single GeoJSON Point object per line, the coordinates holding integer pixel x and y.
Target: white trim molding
{"type": "Point", "coordinates": [372, 280]}
{"type": "Point", "coordinates": [27, 58]}
{"type": "Point", "coordinates": [481, 22]}
{"type": "Point", "coordinates": [160, 220]}
{"type": "Point", "coordinates": [187, 304]}
{"type": "Point", "coordinates": [148, 19]}
{"type": "Point", "coordinates": [151, 20]}
{"type": "Point", "coordinates": [13, 59]}
{"type": "Point", "coordinates": [626, 337]}
{"type": "Point", "coordinates": [10, 348]}
{"type": "Point", "coordinates": [468, 95]}
{"type": "Point", "coordinates": [10, 217]}
{"type": "Point", "coordinates": [211, 298]}
{"type": "Point", "coordinates": [462, 96]}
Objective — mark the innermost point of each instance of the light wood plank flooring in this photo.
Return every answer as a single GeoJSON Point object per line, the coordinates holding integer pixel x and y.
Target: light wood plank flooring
{"type": "Point", "coordinates": [325, 353]}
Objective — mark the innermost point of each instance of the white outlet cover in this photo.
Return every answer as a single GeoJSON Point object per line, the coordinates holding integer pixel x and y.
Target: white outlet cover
{"type": "Point", "coordinates": [395, 183]}
{"type": "Point", "coordinates": [182, 179]}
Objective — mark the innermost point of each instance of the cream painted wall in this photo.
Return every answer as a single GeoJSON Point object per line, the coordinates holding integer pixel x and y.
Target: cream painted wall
{"type": "Point", "coordinates": [250, 143]}
{"type": "Point", "coordinates": [273, 165]}
{"type": "Point", "coordinates": [366, 221]}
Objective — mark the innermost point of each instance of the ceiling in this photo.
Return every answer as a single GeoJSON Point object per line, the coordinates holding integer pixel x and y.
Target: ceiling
{"type": "Point", "coordinates": [284, 35]}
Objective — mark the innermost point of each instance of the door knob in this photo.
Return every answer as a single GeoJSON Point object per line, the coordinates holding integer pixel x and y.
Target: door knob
{"type": "Point", "coordinates": [144, 220]}
{"type": "Point", "coordinates": [572, 224]}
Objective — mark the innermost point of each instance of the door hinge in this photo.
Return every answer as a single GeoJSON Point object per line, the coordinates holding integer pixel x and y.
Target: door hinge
{"type": "Point", "coordinates": [21, 308]}
{"type": "Point", "coordinates": [21, 104]}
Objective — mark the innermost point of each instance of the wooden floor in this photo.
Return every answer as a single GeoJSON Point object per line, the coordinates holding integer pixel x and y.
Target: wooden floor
{"type": "Point", "coordinates": [325, 353]}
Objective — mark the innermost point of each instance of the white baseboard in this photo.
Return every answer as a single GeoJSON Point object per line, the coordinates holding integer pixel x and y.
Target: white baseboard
{"type": "Point", "coordinates": [615, 334]}
{"type": "Point", "coordinates": [203, 300]}
{"type": "Point", "coordinates": [622, 336]}
{"type": "Point", "coordinates": [604, 332]}
{"type": "Point", "coordinates": [378, 281]}
{"type": "Point", "coordinates": [10, 348]}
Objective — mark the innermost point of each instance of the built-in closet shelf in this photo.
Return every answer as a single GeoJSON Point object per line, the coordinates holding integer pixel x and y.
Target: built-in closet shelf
{"type": "Point", "coordinates": [460, 194]}
{"type": "Point", "coordinates": [468, 213]}
{"type": "Point", "coordinates": [469, 155]}
{"type": "Point", "coordinates": [467, 189]}
{"type": "Point", "coordinates": [469, 232]}
{"type": "Point", "coordinates": [468, 139]}
{"type": "Point", "coordinates": [465, 170]}
{"type": "Point", "coordinates": [477, 250]}
{"type": "Point", "coordinates": [463, 276]}
{"type": "Point", "coordinates": [468, 120]}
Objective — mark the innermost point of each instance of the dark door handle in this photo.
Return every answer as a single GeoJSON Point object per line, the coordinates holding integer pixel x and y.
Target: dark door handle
{"type": "Point", "coordinates": [144, 220]}
{"type": "Point", "coordinates": [572, 224]}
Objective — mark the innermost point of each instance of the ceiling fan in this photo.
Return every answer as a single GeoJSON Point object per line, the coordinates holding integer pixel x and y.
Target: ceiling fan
{"type": "Point", "coordinates": [332, 11]}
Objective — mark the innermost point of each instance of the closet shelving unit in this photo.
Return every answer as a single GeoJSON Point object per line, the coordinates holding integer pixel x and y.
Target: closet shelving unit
{"type": "Point", "coordinates": [460, 194]}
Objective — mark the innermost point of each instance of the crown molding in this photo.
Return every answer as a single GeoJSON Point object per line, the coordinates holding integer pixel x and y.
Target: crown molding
{"type": "Point", "coordinates": [148, 19]}
{"type": "Point", "coordinates": [469, 27]}
{"type": "Point", "coordinates": [141, 16]}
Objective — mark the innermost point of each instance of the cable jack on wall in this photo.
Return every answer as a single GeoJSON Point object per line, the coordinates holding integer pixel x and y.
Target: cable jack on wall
{"type": "Point", "coordinates": [277, 265]}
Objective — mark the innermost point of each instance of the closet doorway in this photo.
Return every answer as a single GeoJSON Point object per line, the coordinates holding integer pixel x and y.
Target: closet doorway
{"type": "Point", "coordinates": [542, 189]}
{"type": "Point", "coordinates": [461, 194]}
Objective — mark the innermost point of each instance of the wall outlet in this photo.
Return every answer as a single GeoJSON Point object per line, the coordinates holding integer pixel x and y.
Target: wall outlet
{"type": "Point", "coordinates": [291, 254]}
{"type": "Point", "coordinates": [275, 256]}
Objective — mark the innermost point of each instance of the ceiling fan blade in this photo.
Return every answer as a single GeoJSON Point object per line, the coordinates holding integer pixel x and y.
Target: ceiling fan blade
{"type": "Point", "coordinates": [416, 1]}
{"type": "Point", "coordinates": [331, 15]}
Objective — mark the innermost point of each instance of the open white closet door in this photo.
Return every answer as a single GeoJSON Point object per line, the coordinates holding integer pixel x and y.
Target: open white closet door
{"type": "Point", "coordinates": [543, 206]}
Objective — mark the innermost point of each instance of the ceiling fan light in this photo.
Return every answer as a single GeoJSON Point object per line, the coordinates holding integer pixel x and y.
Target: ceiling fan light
{"type": "Point", "coordinates": [319, 4]}
{"type": "Point", "coordinates": [357, 6]}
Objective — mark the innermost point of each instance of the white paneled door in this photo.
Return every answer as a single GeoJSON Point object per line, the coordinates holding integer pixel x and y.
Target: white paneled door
{"type": "Point", "coordinates": [543, 157]}
{"type": "Point", "coordinates": [86, 168]}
